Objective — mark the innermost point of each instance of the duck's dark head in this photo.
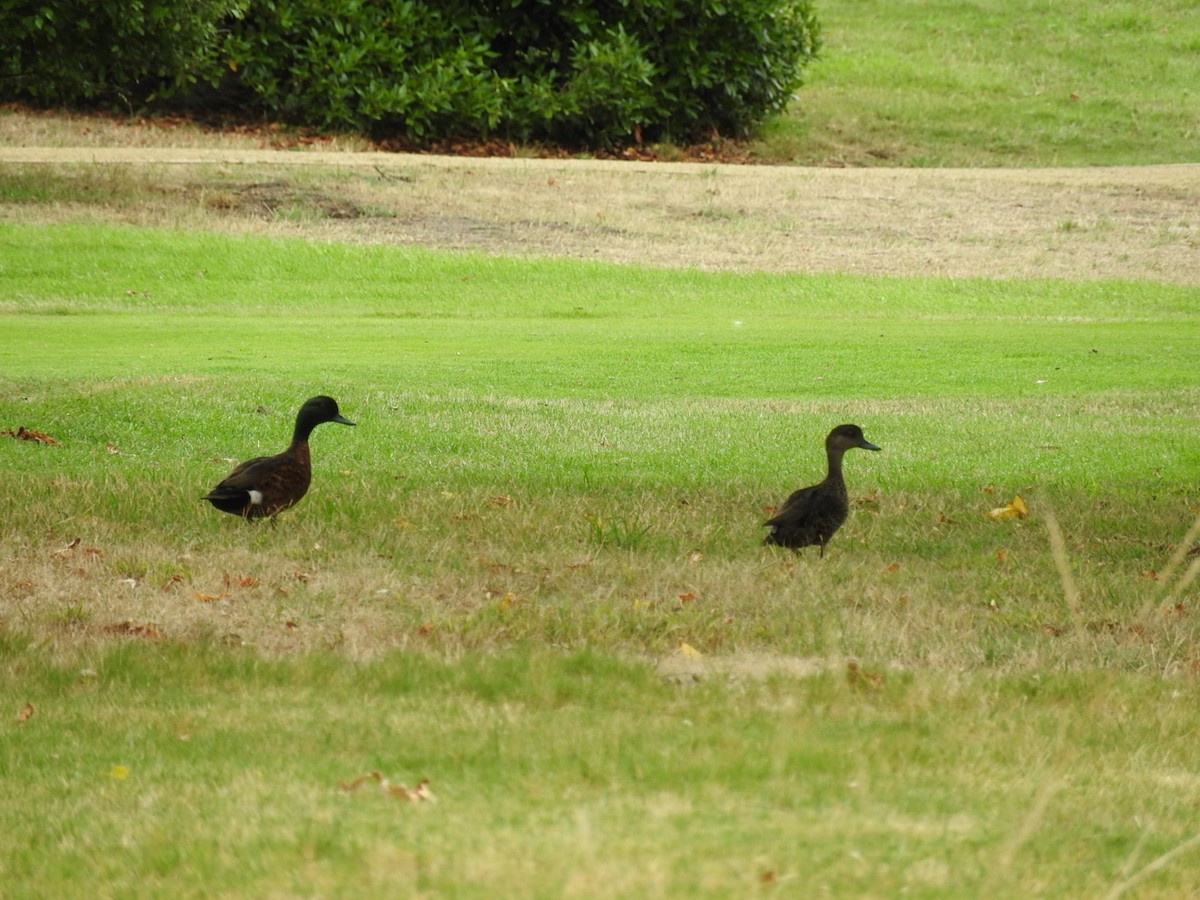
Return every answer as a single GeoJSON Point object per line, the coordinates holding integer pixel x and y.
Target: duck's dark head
{"type": "Point", "coordinates": [848, 437]}
{"type": "Point", "coordinates": [317, 411]}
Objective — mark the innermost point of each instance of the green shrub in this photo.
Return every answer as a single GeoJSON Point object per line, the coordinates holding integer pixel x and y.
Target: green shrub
{"type": "Point", "coordinates": [111, 52]}
{"type": "Point", "coordinates": [676, 69]}
{"type": "Point", "coordinates": [574, 72]}
{"type": "Point", "coordinates": [397, 66]}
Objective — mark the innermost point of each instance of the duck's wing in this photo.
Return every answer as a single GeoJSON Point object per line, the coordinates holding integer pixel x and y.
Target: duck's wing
{"type": "Point", "coordinates": [796, 506]}
{"type": "Point", "coordinates": [244, 478]}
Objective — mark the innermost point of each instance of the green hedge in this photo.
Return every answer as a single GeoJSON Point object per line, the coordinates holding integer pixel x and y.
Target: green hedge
{"type": "Point", "coordinates": [116, 53]}
{"type": "Point", "coordinates": [567, 71]}
{"type": "Point", "coordinates": [575, 72]}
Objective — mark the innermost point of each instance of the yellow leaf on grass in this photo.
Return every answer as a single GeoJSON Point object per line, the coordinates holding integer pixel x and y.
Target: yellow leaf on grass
{"type": "Point", "coordinates": [686, 649]}
{"type": "Point", "coordinates": [120, 773]}
{"type": "Point", "coordinates": [1016, 509]}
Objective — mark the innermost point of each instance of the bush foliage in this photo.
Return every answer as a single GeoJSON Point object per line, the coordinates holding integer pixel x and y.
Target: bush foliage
{"type": "Point", "coordinates": [574, 72]}
{"type": "Point", "coordinates": [116, 53]}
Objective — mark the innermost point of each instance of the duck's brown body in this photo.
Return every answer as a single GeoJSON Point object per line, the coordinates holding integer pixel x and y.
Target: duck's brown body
{"type": "Point", "coordinates": [266, 485]}
{"type": "Point", "coordinates": [812, 515]}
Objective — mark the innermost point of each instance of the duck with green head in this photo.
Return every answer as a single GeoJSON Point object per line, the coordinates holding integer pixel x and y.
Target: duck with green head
{"type": "Point", "coordinates": [266, 485]}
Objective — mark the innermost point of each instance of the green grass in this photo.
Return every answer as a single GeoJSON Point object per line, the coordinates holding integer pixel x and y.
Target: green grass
{"type": "Point", "coordinates": [994, 83]}
{"type": "Point", "coordinates": [553, 492]}
{"type": "Point", "coordinates": [193, 770]}
{"type": "Point", "coordinates": [927, 83]}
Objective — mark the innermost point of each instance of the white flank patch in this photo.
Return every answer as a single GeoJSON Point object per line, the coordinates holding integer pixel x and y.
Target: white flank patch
{"type": "Point", "coordinates": [256, 498]}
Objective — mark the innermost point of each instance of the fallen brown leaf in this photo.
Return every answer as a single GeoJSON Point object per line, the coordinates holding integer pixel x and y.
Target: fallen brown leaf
{"type": "Point", "coordinates": [146, 629]}
{"type": "Point", "coordinates": [28, 434]}
{"type": "Point", "coordinates": [420, 793]}
{"type": "Point", "coordinates": [26, 713]}
{"type": "Point", "coordinates": [66, 551]}
{"type": "Point", "coordinates": [860, 677]}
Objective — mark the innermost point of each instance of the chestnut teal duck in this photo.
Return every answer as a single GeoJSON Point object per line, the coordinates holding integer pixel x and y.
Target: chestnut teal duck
{"type": "Point", "coordinates": [266, 485]}
{"type": "Point", "coordinates": [812, 515]}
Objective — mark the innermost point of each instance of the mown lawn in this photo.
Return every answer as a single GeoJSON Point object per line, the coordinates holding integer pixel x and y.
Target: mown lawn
{"type": "Point", "coordinates": [532, 575]}
{"type": "Point", "coordinates": [994, 83]}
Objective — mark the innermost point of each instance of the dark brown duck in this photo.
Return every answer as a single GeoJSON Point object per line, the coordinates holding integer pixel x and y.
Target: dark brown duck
{"type": "Point", "coordinates": [813, 514]}
{"type": "Point", "coordinates": [266, 485]}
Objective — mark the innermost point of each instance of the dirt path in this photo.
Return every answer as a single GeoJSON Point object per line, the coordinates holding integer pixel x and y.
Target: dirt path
{"type": "Point", "coordinates": [1125, 223]}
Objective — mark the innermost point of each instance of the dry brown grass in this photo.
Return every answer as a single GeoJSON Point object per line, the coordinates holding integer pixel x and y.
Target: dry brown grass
{"type": "Point", "coordinates": [1103, 223]}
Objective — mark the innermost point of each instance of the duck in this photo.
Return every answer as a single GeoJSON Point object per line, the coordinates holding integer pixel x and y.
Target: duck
{"type": "Point", "coordinates": [812, 515]}
{"type": "Point", "coordinates": [266, 485]}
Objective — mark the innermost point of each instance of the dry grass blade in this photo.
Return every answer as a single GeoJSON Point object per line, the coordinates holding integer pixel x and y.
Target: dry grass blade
{"type": "Point", "coordinates": [1033, 818]}
{"type": "Point", "coordinates": [1151, 867]}
{"type": "Point", "coordinates": [1180, 586]}
{"type": "Point", "coordinates": [1181, 552]}
{"type": "Point", "coordinates": [1037, 812]}
{"type": "Point", "coordinates": [1058, 549]}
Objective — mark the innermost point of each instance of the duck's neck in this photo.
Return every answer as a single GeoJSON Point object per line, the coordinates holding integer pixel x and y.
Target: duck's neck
{"type": "Point", "coordinates": [304, 428]}
{"type": "Point", "coordinates": [834, 455]}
